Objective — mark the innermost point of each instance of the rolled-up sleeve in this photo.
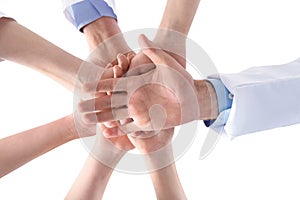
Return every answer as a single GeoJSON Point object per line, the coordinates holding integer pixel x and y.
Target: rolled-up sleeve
{"type": "Point", "coordinates": [81, 13]}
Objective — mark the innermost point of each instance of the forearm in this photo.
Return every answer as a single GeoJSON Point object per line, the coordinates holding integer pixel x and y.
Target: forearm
{"type": "Point", "coordinates": [22, 46]}
{"type": "Point", "coordinates": [207, 100]}
{"type": "Point", "coordinates": [91, 182]}
{"type": "Point", "coordinates": [167, 184]}
{"type": "Point", "coordinates": [16, 150]}
{"type": "Point", "coordinates": [174, 27]}
{"type": "Point", "coordinates": [179, 15]}
{"type": "Point", "coordinates": [165, 180]}
{"type": "Point", "coordinates": [106, 29]}
{"type": "Point", "coordinates": [93, 178]}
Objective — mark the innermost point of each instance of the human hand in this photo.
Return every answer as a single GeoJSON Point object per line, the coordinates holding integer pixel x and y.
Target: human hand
{"type": "Point", "coordinates": [105, 39]}
{"type": "Point", "coordinates": [172, 42]}
{"type": "Point", "coordinates": [122, 143]}
{"type": "Point", "coordinates": [168, 86]}
{"type": "Point", "coordinates": [147, 142]}
{"type": "Point", "coordinates": [110, 150]}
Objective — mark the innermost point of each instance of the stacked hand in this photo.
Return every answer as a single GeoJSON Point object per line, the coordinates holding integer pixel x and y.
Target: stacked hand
{"type": "Point", "coordinates": [155, 96]}
{"type": "Point", "coordinates": [146, 142]}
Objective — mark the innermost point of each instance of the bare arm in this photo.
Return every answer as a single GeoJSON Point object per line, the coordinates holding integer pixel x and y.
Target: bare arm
{"type": "Point", "coordinates": [91, 182]}
{"type": "Point", "coordinates": [181, 21]}
{"type": "Point", "coordinates": [16, 150]}
{"type": "Point", "coordinates": [166, 181]}
{"type": "Point", "coordinates": [94, 176]}
{"type": "Point", "coordinates": [158, 154]}
{"type": "Point", "coordinates": [20, 45]}
{"type": "Point", "coordinates": [105, 29]}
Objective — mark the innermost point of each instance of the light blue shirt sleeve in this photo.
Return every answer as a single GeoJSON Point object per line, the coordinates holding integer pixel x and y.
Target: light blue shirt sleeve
{"type": "Point", "coordinates": [224, 98]}
{"type": "Point", "coordinates": [87, 11]}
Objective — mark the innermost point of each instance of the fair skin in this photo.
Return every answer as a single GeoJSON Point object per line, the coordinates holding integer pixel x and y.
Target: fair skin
{"type": "Point", "coordinates": [17, 39]}
{"type": "Point", "coordinates": [18, 149]}
{"type": "Point", "coordinates": [188, 103]}
{"type": "Point", "coordinates": [94, 176]}
{"type": "Point", "coordinates": [160, 161]}
{"type": "Point", "coordinates": [173, 30]}
{"type": "Point", "coordinates": [162, 177]}
{"type": "Point", "coordinates": [37, 57]}
{"type": "Point", "coordinates": [24, 47]}
{"type": "Point", "coordinates": [41, 56]}
{"type": "Point", "coordinates": [45, 58]}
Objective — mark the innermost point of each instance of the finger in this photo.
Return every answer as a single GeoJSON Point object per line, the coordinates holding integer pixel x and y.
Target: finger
{"type": "Point", "coordinates": [113, 131]}
{"type": "Point", "coordinates": [155, 54]}
{"type": "Point", "coordinates": [144, 134]}
{"type": "Point", "coordinates": [126, 121]}
{"type": "Point", "coordinates": [112, 124]}
{"type": "Point", "coordinates": [106, 116]}
{"type": "Point", "coordinates": [108, 72]}
{"type": "Point", "coordinates": [107, 85]}
{"type": "Point", "coordinates": [133, 127]}
{"type": "Point", "coordinates": [130, 56]}
{"type": "Point", "coordinates": [128, 128]}
{"type": "Point", "coordinates": [121, 130]}
{"type": "Point", "coordinates": [141, 69]}
{"type": "Point", "coordinates": [100, 94]}
{"type": "Point", "coordinates": [108, 101]}
{"type": "Point", "coordinates": [118, 72]}
{"type": "Point", "coordinates": [123, 62]}
{"type": "Point", "coordinates": [124, 84]}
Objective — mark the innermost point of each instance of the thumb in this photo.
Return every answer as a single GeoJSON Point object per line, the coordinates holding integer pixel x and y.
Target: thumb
{"type": "Point", "coordinates": [155, 54]}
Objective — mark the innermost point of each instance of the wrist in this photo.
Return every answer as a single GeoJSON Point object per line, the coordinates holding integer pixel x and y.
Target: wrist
{"type": "Point", "coordinates": [207, 100]}
{"type": "Point", "coordinates": [71, 132]}
{"type": "Point", "coordinates": [106, 152]}
{"type": "Point", "coordinates": [160, 159]}
{"type": "Point", "coordinates": [173, 42]}
{"type": "Point", "coordinates": [102, 29]}
{"type": "Point", "coordinates": [170, 40]}
{"type": "Point", "coordinates": [175, 26]}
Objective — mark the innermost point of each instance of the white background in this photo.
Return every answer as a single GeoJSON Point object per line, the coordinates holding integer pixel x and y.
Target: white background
{"type": "Point", "coordinates": [236, 34]}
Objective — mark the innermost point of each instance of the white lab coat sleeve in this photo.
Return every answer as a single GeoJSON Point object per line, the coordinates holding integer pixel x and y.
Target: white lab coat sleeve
{"type": "Point", "coordinates": [1, 14]}
{"type": "Point", "coordinates": [4, 15]}
{"type": "Point", "coordinates": [264, 98]}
